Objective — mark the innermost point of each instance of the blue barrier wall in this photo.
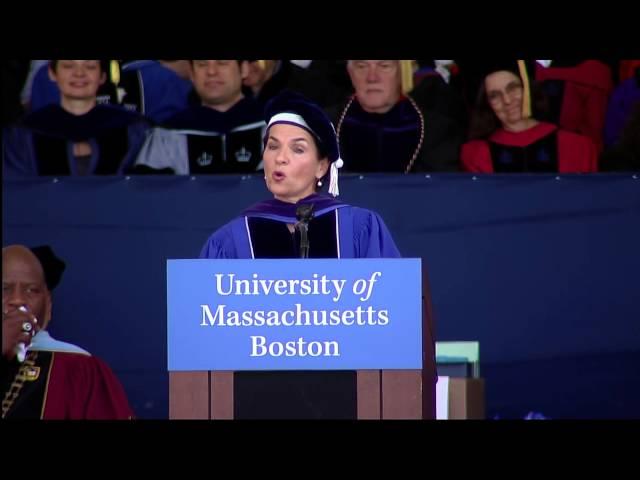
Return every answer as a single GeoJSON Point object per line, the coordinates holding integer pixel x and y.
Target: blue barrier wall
{"type": "Point", "coordinates": [542, 270]}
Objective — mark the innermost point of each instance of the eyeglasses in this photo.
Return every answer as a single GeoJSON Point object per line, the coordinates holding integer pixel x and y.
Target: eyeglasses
{"type": "Point", "coordinates": [496, 97]}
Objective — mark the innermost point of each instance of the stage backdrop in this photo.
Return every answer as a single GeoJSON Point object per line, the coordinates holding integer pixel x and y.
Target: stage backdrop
{"type": "Point", "coordinates": [543, 271]}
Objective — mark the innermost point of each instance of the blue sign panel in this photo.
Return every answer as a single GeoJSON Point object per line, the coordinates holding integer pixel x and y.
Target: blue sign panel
{"type": "Point", "coordinates": [294, 314]}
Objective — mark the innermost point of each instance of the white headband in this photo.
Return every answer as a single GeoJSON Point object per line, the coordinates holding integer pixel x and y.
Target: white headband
{"type": "Point", "coordinates": [289, 118]}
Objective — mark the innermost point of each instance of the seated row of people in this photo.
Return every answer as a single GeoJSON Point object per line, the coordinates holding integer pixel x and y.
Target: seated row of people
{"type": "Point", "coordinates": [216, 125]}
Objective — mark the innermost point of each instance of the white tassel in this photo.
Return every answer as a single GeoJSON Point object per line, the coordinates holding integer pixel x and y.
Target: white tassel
{"type": "Point", "coordinates": [333, 177]}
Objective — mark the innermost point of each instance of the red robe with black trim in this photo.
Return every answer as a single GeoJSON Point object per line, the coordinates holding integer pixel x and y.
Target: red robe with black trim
{"type": "Point", "coordinates": [59, 385]}
{"type": "Point", "coordinates": [542, 148]}
{"type": "Point", "coordinates": [84, 387]}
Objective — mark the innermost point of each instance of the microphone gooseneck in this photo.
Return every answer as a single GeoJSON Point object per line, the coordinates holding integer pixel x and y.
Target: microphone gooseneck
{"type": "Point", "coordinates": [304, 214]}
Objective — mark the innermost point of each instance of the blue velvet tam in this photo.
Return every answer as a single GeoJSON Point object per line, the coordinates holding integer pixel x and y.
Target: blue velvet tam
{"type": "Point", "coordinates": [294, 109]}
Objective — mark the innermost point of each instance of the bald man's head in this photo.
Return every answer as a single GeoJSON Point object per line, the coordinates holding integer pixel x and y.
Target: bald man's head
{"type": "Point", "coordinates": [24, 255]}
{"type": "Point", "coordinates": [23, 283]}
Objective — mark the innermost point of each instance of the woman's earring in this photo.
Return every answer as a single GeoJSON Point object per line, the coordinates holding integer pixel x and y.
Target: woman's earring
{"type": "Point", "coordinates": [319, 183]}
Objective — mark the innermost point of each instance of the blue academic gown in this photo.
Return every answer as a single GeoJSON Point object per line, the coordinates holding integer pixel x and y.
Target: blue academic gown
{"type": "Point", "coordinates": [154, 90]}
{"type": "Point", "coordinates": [202, 140]}
{"type": "Point", "coordinates": [42, 142]}
{"type": "Point", "coordinates": [361, 232]}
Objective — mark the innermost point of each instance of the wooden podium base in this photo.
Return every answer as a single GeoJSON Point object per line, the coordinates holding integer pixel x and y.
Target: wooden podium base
{"type": "Point", "coordinates": [381, 394]}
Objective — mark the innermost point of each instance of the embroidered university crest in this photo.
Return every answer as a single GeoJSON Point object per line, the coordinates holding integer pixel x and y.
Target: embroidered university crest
{"type": "Point", "coordinates": [205, 159]}
{"type": "Point", "coordinates": [243, 155]}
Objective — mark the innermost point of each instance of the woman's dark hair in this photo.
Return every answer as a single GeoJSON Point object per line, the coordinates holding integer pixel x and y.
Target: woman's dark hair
{"type": "Point", "coordinates": [484, 121]}
{"type": "Point", "coordinates": [323, 152]}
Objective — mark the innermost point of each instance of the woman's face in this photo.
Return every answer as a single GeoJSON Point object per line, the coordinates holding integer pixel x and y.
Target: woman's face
{"type": "Point", "coordinates": [504, 94]}
{"type": "Point", "coordinates": [291, 164]}
{"type": "Point", "coordinates": [78, 79]}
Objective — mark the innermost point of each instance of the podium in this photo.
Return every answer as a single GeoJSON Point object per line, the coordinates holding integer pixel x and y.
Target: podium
{"type": "Point", "coordinates": [380, 394]}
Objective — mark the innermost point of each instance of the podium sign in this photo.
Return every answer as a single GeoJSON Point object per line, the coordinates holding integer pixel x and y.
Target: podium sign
{"type": "Point", "coordinates": [294, 314]}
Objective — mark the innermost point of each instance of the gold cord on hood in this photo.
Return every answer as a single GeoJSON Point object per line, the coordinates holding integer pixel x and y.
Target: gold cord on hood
{"type": "Point", "coordinates": [526, 93]}
{"type": "Point", "coordinates": [406, 75]}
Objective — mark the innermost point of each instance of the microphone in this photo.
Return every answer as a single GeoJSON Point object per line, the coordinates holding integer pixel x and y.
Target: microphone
{"type": "Point", "coordinates": [21, 352]}
{"type": "Point", "coordinates": [21, 348]}
{"type": "Point", "coordinates": [304, 214]}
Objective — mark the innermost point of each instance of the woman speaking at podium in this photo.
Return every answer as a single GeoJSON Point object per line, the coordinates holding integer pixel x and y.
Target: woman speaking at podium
{"type": "Point", "coordinates": [300, 152]}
